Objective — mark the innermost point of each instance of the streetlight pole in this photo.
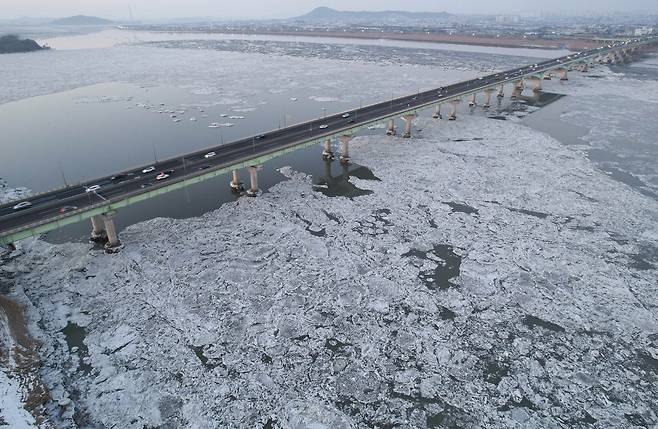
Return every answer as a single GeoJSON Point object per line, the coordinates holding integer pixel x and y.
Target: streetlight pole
{"type": "Point", "coordinates": [61, 171]}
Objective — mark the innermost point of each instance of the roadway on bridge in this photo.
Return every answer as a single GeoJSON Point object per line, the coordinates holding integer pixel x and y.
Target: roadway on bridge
{"type": "Point", "coordinates": [46, 206]}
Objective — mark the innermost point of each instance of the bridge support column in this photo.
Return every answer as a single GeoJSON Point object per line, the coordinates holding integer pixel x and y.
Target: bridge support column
{"type": "Point", "coordinates": [453, 112]}
{"type": "Point", "coordinates": [487, 97]}
{"type": "Point", "coordinates": [437, 112]}
{"type": "Point", "coordinates": [473, 101]}
{"type": "Point", "coordinates": [408, 123]}
{"type": "Point", "coordinates": [98, 234]}
{"type": "Point", "coordinates": [564, 74]}
{"type": "Point", "coordinates": [345, 149]}
{"type": "Point", "coordinates": [501, 91]}
{"type": "Point", "coordinates": [518, 89]}
{"type": "Point", "coordinates": [112, 236]}
{"type": "Point", "coordinates": [253, 175]}
{"type": "Point", "coordinates": [327, 153]}
{"type": "Point", "coordinates": [236, 185]}
{"type": "Point", "coordinates": [390, 131]}
{"type": "Point", "coordinates": [536, 87]}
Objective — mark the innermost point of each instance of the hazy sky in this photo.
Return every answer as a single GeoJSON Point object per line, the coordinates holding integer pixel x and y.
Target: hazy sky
{"type": "Point", "coordinates": [155, 9]}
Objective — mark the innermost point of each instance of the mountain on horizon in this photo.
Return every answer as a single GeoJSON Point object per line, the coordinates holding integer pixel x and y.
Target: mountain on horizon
{"type": "Point", "coordinates": [326, 15]}
{"type": "Point", "coordinates": [82, 20]}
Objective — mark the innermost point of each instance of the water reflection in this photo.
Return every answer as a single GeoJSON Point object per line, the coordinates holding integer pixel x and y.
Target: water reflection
{"type": "Point", "coordinates": [337, 184]}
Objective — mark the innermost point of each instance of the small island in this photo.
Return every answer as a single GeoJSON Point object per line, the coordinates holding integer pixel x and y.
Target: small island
{"type": "Point", "coordinates": [12, 44]}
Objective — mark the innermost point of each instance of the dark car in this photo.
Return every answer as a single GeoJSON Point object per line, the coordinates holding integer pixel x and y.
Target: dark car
{"type": "Point", "coordinates": [119, 177]}
{"type": "Point", "coordinates": [66, 209]}
{"type": "Point", "coordinates": [204, 167]}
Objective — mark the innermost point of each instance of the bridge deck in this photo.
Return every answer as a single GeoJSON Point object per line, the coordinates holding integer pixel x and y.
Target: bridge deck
{"type": "Point", "coordinates": [191, 168]}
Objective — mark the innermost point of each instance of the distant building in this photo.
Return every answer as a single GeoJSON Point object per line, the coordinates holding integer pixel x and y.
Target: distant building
{"type": "Point", "coordinates": [645, 31]}
{"type": "Point", "coordinates": [507, 19]}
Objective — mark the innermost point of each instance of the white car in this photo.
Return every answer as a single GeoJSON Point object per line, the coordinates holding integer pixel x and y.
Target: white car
{"type": "Point", "coordinates": [162, 176]}
{"type": "Point", "coordinates": [209, 155]}
{"type": "Point", "coordinates": [346, 115]}
{"type": "Point", "coordinates": [22, 206]}
{"type": "Point", "coordinates": [324, 127]}
{"type": "Point", "coordinates": [92, 188]}
{"type": "Point", "coordinates": [148, 170]}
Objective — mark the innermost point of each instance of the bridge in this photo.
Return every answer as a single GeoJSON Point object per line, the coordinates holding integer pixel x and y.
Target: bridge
{"type": "Point", "coordinates": [101, 198]}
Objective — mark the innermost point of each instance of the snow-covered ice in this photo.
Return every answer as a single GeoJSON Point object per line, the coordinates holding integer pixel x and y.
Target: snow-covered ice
{"type": "Point", "coordinates": [489, 280]}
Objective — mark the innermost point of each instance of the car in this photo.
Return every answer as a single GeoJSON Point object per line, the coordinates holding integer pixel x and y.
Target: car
{"type": "Point", "coordinates": [209, 155]}
{"type": "Point", "coordinates": [66, 209]}
{"type": "Point", "coordinates": [22, 206]}
{"type": "Point", "coordinates": [480, 78]}
{"type": "Point", "coordinates": [261, 137]}
{"type": "Point", "coordinates": [118, 177]}
{"type": "Point", "coordinates": [146, 185]}
{"type": "Point", "coordinates": [92, 189]}
{"type": "Point", "coordinates": [204, 167]}
{"type": "Point", "coordinates": [351, 121]}
{"type": "Point", "coordinates": [346, 115]}
{"type": "Point", "coordinates": [162, 176]}
{"type": "Point", "coordinates": [324, 126]}
{"type": "Point", "coordinates": [148, 170]}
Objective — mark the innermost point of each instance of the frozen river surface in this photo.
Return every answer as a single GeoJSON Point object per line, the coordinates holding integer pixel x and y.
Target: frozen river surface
{"type": "Point", "coordinates": [492, 277]}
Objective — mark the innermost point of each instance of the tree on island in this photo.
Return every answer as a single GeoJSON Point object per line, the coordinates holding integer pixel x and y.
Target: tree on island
{"type": "Point", "coordinates": [12, 44]}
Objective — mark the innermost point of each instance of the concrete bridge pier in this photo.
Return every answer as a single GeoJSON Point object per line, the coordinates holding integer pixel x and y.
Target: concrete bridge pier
{"type": "Point", "coordinates": [473, 102]}
{"type": "Point", "coordinates": [236, 185]}
{"type": "Point", "coordinates": [112, 236]}
{"type": "Point", "coordinates": [487, 97]}
{"type": "Point", "coordinates": [619, 58]}
{"type": "Point", "coordinates": [345, 149]}
{"type": "Point", "coordinates": [408, 123]}
{"type": "Point", "coordinates": [253, 175]}
{"type": "Point", "coordinates": [453, 112]}
{"type": "Point", "coordinates": [98, 234]}
{"type": "Point", "coordinates": [536, 83]}
{"type": "Point", "coordinates": [518, 89]}
{"type": "Point", "coordinates": [501, 91]}
{"type": "Point", "coordinates": [390, 131]}
{"type": "Point", "coordinates": [327, 153]}
{"type": "Point", "coordinates": [437, 112]}
{"type": "Point", "coordinates": [564, 73]}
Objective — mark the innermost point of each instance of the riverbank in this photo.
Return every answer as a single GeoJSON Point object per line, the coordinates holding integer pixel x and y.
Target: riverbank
{"type": "Point", "coordinates": [455, 39]}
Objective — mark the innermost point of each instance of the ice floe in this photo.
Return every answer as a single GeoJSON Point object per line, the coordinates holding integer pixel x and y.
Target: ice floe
{"type": "Point", "coordinates": [489, 280]}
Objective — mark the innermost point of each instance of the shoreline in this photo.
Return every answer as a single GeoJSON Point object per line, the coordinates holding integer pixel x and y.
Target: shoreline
{"type": "Point", "coordinates": [504, 42]}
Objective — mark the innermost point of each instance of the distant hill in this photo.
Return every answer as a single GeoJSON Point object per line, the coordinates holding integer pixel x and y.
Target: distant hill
{"type": "Point", "coordinates": [82, 20]}
{"type": "Point", "coordinates": [12, 44]}
{"type": "Point", "coordinates": [332, 16]}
